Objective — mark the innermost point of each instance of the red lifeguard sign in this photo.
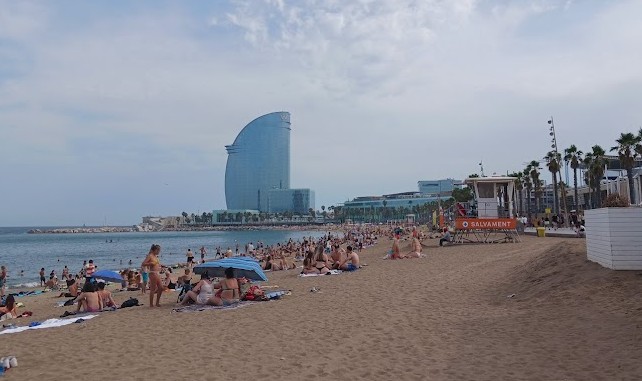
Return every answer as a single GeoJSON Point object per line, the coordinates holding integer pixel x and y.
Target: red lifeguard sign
{"type": "Point", "coordinates": [491, 217]}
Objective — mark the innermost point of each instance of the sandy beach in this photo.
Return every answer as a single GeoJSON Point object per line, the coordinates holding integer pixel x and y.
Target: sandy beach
{"type": "Point", "coordinates": [528, 311]}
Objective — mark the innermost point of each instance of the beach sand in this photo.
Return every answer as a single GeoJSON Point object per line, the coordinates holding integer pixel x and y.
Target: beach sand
{"type": "Point", "coordinates": [444, 317]}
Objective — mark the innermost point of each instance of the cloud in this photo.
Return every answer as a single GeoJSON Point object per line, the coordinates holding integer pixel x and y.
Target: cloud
{"type": "Point", "coordinates": [382, 93]}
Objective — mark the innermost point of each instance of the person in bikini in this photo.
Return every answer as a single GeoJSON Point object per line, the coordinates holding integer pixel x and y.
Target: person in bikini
{"type": "Point", "coordinates": [155, 282]}
{"type": "Point", "coordinates": [89, 300]}
{"type": "Point", "coordinates": [229, 290]}
{"type": "Point", "coordinates": [416, 249]}
{"type": "Point", "coordinates": [321, 260]}
{"type": "Point", "coordinates": [8, 311]}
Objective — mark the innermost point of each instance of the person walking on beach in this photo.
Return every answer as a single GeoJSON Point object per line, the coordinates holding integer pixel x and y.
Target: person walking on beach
{"type": "Point", "coordinates": [155, 283]}
{"type": "Point", "coordinates": [3, 280]}
{"type": "Point", "coordinates": [42, 277]}
{"type": "Point", "coordinates": [203, 252]}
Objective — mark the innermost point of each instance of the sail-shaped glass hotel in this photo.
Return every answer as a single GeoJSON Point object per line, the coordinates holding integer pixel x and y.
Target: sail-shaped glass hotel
{"type": "Point", "coordinates": [259, 162]}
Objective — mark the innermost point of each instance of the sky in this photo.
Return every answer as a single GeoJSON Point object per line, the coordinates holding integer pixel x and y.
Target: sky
{"type": "Point", "coordinates": [112, 110]}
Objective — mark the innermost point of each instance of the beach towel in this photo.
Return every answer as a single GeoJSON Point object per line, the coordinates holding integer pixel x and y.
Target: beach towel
{"type": "Point", "coordinates": [50, 323]}
{"type": "Point", "coordinates": [332, 272]}
{"type": "Point", "coordinates": [200, 307]}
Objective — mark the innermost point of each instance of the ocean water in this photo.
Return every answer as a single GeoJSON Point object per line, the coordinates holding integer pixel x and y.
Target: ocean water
{"type": "Point", "coordinates": [113, 251]}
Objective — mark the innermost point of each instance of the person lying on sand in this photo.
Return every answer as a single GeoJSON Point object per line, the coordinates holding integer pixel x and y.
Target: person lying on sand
{"type": "Point", "coordinates": [351, 263]}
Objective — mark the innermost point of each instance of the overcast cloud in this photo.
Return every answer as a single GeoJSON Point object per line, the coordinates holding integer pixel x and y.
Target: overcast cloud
{"type": "Point", "coordinates": [113, 110]}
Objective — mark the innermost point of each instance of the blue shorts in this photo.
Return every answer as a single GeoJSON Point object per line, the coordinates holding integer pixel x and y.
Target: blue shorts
{"type": "Point", "coordinates": [145, 277]}
{"type": "Point", "coordinates": [351, 267]}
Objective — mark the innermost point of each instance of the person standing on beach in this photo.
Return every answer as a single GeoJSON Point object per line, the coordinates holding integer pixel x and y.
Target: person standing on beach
{"type": "Point", "coordinates": [42, 277]}
{"type": "Point", "coordinates": [190, 258]}
{"type": "Point", "coordinates": [155, 283]}
{"type": "Point", "coordinates": [90, 269]}
{"type": "Point", "coordinates": [145, 278]}
{"type": "Point", "coordinates": [3, 279]}
{"type": "Point", "coordinates": [203, 252]}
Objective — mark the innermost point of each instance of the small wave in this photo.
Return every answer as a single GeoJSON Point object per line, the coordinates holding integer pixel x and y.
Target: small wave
{"type": "Point", "coordinates": [23, 285]}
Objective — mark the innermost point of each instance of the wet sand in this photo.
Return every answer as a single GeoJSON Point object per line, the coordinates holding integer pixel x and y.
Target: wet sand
{"type": "Point", "coordinates": [444, 317]}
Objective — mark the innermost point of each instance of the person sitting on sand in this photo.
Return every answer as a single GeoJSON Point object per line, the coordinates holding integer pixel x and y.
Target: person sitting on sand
{"type": "Point", "coordinates": [186, 278]}
{"type": "Point", "coordinates": [201, 294]}
{"type": "Point", "coordinates": [229, 290]}
{"type": "Point", "coordinates": [8, 311]}
{"type": "Point", "coordinates": [89, 300]}
{"type": "Point", "coordinates": [446, 237]}
{"type": "Point", "coordinates": [155, 284]}
{"type": "Point", "coordinates": [52, 283]}
{"type": "Point", "coordinates": [308, 266]}
{"type": "Point", "coordinates": [72, 289]}
{"type": "Point", "coordinates": [132, 281]}
{"type": "Point", "coordinates": [105, 295]}
{"type": "Point", "coordinates": [351, 263]}
{"type": "Point", "coordinates": [321, 260]}
{"type": "Point", "coordinates": [337, 256]}
{"type": "Point", "coordinates": [395, 252]}
{"type": "Point", "coordinates": [415, 251]}
{"type": "Point", "coordinates": [169, 283]}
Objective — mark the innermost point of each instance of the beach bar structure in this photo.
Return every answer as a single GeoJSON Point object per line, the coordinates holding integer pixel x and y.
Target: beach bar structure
{"type": "Point", "coordinates": [492, 215]}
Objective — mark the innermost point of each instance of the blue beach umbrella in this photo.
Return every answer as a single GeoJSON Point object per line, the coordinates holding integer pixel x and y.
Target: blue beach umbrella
{"type": "Point", "coordinates": [108, 275]}
{"type": "Point", "coordinates": [242, 269]}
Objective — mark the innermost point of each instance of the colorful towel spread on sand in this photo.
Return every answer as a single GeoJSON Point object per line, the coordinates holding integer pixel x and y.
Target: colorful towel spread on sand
{"type": "Point", "coordinates": [200, 307]}
{"type": "Point", "coordinates": [50, 323]}
{"type": "Point", "coordinates": [332, 272]}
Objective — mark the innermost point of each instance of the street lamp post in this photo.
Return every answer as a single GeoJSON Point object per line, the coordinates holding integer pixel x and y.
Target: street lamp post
{"type": "Point", "coordinates": [551, 124]}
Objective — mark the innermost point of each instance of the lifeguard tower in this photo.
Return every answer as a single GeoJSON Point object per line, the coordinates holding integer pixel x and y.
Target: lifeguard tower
{"type": "Point", "coordinates": [491, 217]}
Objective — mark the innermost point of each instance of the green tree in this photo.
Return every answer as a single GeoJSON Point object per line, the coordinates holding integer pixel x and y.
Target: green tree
{"type": "Point", "coordinates": [519, 186]}
{"type": "Point", "coordinates": [595, 161]}
{"type": "Point", "coordinates": [463, 194]}
{"type": "Point", "coordinates": [626, 151]}
{"type": "Point", "coordinates": [574, 158]}
{"type": "Point", "coordinates": [537, 183]}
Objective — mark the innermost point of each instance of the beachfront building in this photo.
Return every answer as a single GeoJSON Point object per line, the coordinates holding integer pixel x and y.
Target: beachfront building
{"type": "Point", "coordinates": [258, 160]}
{"type": "Point", "coordinates": [234, 216]}
{"type": "Point", "coordinates": [297, 201]}
{"type": "Point", "coordinates": [259, 163]}
{"type": "Point", "coordinates": [439, 188]}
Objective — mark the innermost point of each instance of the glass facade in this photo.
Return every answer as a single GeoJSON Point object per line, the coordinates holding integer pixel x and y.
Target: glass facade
{"type": "Point", "coordinates": [298, 201]}
{"type": "Point", "coordinates": [258, 161]}
{"type": "Point", "coordinates": [438, 187]}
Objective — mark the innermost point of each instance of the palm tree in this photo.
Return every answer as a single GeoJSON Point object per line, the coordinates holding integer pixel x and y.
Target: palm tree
{"type": "Point", "coordinates": [573, 156]}
{"type": "Point", "coordinates": [626, 151]}
{"type": "Point", "coordinates": [595, 161]}
{"type": "Point", "coordinates": [553, 164]}
{"type": "Point", "coordinates": [537, 183]}
{"type": "Point", "coordinates": [519, 186]}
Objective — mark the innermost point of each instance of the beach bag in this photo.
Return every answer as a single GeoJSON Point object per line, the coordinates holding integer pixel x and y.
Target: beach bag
{"type": "Point", "coordinates": [254, 293]}
{"type": "Point", "coordinates": [131, 302]}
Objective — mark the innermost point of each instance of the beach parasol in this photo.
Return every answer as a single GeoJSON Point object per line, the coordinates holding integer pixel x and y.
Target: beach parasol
{"type": "Point", "coordinates": [108, 275]}
{"type": "Point", "coordinates": [242, 269]}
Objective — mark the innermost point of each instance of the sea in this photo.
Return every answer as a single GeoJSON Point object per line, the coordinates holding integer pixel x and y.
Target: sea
{"type": "Point", "coordinates": [20, 251]}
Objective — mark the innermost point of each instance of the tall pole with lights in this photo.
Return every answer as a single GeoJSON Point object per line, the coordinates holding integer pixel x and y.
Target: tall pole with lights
{"type": "Point", "coordinates": [551, 133]}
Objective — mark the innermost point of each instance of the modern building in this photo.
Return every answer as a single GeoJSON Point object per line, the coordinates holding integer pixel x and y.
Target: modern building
{"type": "Point", "coordinates": [438, 188]}
{"type": "Point", "coordinates": [259, 163]}
{"type": "Point", "coordinates": [297, 201]}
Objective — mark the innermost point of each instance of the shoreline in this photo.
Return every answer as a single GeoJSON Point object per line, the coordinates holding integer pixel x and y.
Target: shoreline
{"type": "Point", "coordinates": [244, 227]}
